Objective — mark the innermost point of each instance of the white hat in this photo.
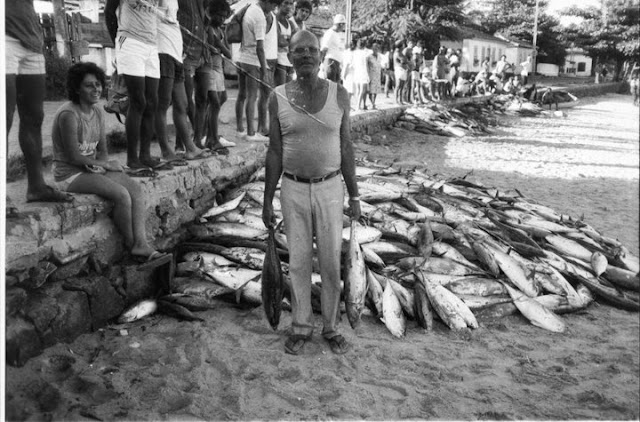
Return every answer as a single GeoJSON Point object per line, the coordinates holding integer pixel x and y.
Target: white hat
{"type": "Point", "coordinates": [339, 18]}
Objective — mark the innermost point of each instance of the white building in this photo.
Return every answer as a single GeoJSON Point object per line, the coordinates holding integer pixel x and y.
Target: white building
{"type": "Point", "coordinates": [477, 45]}
{"type": "Point", "coordinates": [577, 63]}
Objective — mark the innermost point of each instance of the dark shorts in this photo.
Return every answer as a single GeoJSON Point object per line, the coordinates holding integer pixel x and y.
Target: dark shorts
{"type": "Point", "coordinates": [191, 67]}
{"type": "Point", "coordinates": [249, 69]}
{"type": "Point", "coordinates": [170, 68]}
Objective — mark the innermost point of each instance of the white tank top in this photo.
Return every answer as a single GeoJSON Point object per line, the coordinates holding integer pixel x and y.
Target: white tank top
{"type": "Point", "coordinates": [271, 40]}
{"type": "Point", "coordinates": [310, 148]}
{"type": "Point", "coordinates": [282, 51]}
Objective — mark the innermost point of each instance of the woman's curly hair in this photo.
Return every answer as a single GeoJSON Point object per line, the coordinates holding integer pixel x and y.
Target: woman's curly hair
{"type": "Point", "coordinates": [76, 75]}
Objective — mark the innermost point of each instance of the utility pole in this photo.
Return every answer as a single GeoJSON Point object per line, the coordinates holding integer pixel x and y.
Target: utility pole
{"type": "Point", "coordinates": [62, 31]}
{"type": "Point", "coordinates": [535, 44]}
{"type": "Point", "coordinates": [348, 26]}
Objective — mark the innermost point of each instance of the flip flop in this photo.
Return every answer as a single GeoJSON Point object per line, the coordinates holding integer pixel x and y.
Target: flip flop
{"type": "Point", "coordinates": [295, 343]}
{"type": "Point", "coordinates": [164, 165]}
{"type": "Point", "coordinates": [141, 172]}
{"type": "Point", "coordinates": [179, 162]}
{"type": "Point", "coordinates": [141, 259]}
{"type": "Point", "coordinates": [220, 151]}
{"type": "Point", "coordinates": [338, 344]}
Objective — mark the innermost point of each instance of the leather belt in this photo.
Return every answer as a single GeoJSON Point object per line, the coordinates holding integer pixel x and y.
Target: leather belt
{"type": "Point", "coordinates": [313, 179]}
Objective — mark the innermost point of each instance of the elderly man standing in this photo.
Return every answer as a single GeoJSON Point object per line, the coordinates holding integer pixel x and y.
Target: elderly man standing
{"type": "Point", "coordinates": [310, 145]}
{"type": "Point", "coordinates": [333, 45]}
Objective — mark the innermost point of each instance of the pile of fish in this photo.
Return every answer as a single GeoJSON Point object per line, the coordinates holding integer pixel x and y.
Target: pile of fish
{"type": "Point", "coordinates": [425, 249]}
{"type": "Point", "coordinates": [473, 118]}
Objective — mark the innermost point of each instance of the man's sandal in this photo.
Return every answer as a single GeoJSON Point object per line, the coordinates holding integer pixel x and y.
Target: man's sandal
{"type": "Point", "coordinates": [338, 344]}
{"type": "Point", "coordinates": [295, 343]}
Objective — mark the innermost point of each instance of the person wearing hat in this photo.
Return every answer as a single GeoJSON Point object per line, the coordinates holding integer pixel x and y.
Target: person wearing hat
{"type": "Point", "coordinates": [332, 48]}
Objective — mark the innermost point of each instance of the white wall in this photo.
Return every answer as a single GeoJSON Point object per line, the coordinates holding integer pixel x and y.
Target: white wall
{"type": "Point", "coordinates": [548, 69]}
{"type": "Point", "coordinates": [577, 58]}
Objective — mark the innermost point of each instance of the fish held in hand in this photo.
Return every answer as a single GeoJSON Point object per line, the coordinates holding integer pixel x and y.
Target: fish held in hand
{"type": "Point", "coordinates": [355, 280]}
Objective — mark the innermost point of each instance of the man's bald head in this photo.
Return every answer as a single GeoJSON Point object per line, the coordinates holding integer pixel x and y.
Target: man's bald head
{"type": "Point", "coordinates": [304, 54]}
{"type": "Point", "coordinates": [303, 37]}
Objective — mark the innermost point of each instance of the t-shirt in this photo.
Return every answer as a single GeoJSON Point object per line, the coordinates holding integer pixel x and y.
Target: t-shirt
{"type": "Point", "coordinates": [22, 23]}
{"type": "Point", "coordinates": [214, 34]}
{"type": "Point", "coordinates": [271, 39]}
{"type": "Point", "coordinates": [137, 19]}
{"type": "Point", "coordinates": [90, 133]}
{"type": "Point", "coordinates": [169, 34]}
{"type": "Point", "coordinates": [334, 43]}
{"type": "Point", "coordinates": [254, 29]}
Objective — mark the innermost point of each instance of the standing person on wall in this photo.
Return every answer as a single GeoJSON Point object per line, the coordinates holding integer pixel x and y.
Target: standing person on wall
{"type": "Point", "coordinates": [311, 153]}
{"type": "Point", "coordinates": [191, 17]}
{"type": "Point", "coordinates": [286, 27]}
{"type": "Point", "coordinates": [134, 31]}
{"type": "Point", "coordinates": [253, 67]}
{"type": "Point", "coordinates": [332, 48]}
{"type": "Point", "coordinates": [217, 12]}
{"type": "Point", "coordinates": [25, 79]}
{"type": "Point", "coordinates": [171, 90]}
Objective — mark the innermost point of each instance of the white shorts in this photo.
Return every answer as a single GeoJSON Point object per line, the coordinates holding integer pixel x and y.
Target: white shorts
{"type": "Point", "coordinates": [22, 61]}
{"type": "Point", "coordinates": [135, 58]}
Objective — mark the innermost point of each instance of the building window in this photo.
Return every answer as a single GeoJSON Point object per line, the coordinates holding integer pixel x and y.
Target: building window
{"type": "Point", "coordinates": [488, 56]}
{"type": "Point", "coordinates": [476, 62]}
{"type": "Point", "coordinates": [482, 56]}
{"type": "Point", "coordinates": [582, 66]}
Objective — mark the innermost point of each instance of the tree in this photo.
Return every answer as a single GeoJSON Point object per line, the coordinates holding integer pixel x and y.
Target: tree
{"type": "Point", "coordinates": [515, 19]}
{"type": "Point", "coordinates": [426, 20]}
{"type": "Point", "coordinates": [608, 33]}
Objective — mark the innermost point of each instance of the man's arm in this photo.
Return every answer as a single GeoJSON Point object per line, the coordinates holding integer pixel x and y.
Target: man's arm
{"type": "Point", "coordinates": [110, 18]}
{"type": "Point", "coordinates": [348, 162]}
{"type": "Point", "coordinates": [273, 166]}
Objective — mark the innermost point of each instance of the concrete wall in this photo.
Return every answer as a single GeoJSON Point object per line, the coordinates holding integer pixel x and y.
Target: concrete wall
{"type": "Point", "coordinates": [66, 273]}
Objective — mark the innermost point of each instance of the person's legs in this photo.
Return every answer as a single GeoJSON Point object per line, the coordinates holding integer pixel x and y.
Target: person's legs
{"type": "Point", "coordinates": [327, 198]}
{"type": "Point", "coordinates": [216, 99]}
{"type": "Point", "coordinates": [165, 91]}
{"type": "Point", "coordinates": [147, 124]}
{"type": "Point", "coordinates": [10, 93]}
{"type": "Point", "coordinates": [296, 210]}
{"type": "Point", "coordinates": [251, 85]}
{"type": "Point", "coordinates": [133, 122]}
{"type": "Point", "coordinates": [181, 121]}
{"type": "Point", "coordinates": [201, 101]}
{"type": "Point", "coordinates": [27, 93]}
{"type": "Point", "coordinates": [263, 98]}
{"type": "Point", "coordinates": [242, 97]}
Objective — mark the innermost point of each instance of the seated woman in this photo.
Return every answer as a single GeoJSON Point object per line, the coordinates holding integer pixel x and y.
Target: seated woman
{"type": "Point", "coordinates": [81, 164]}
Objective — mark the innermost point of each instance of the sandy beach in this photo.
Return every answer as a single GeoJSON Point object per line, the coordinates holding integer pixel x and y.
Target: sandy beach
{"type": "Point", "coordinates": [232, 365]}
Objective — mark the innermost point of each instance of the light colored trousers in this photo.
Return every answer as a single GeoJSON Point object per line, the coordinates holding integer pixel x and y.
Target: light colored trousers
{"type": "Point", "coordinates": [308, 209]}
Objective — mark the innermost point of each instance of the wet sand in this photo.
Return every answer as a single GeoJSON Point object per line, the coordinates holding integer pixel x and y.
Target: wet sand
{"type": "Point", "coordinates": [232, 366]}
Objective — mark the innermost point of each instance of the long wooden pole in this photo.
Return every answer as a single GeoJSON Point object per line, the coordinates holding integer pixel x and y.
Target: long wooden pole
{"type": "Point", "coordinates": [62, 31]}
{"type": "Point", "coordinates": [348, 25]}
{"type": "Point", "coordinates": [535, 44]}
